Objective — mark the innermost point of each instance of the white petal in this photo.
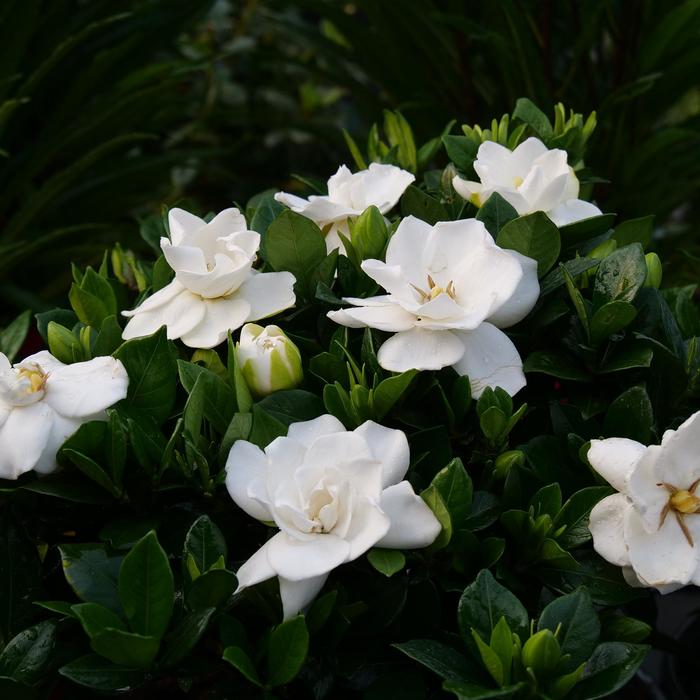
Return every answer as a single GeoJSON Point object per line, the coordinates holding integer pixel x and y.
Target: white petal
{"type": "Point", "coordinates": [306, 432]}
{"type": "Point", "coordinates": [297, 560]}
{"type": "Point", "coordinates": [406, 250]}
{"type": "Point", "coordinates": [420, 349]}
{"type": "Point", "coordinates": [333, 239]}
{"type": "Point", "coordinates": [572, 211]}
{"type": "Point", "coordinates": [181, 314]}
{"type": "Point", "coordinates": [645, 488]}
{"type": "Point", "coordinates": [45, 360]}
{"type": "Point", "coordinates": [615, 459]}
{"type": "Point", "coordinates": [395, 279]}
{"type": "Point", "coordinates": [607, 527]}
{"type": "Point", "coordinates": [413, 524]}
{"type": "Point", "coordinates": [526, 153]}
{"type": "Point", "coordinates": [256, 570]}
{"type": "Point", "coordinates": [490, 359]}
{"type": "Point", "coordinates": [157, 300]}
{"type": "Point", "coordinates": [147, 318]}
{"type": "Point", "coordinates": [494, 164]}
{"type": "Point", "coordinates": [298, 595]}
{"type": "Point", "coordinates": [86, 388]}
{"type": "Point", "coordinates": [384, 185]}
{"type": "Point", "coordinates": [246, 474]}
{"type": "Point", "coordinates": [61, 430]}
{"type": "Point", "coordinates": [23, 437]}
{"type": "Point", "coordinates": [662, 557]}
{"type": "Point", "coordinates": [680, 463]}
{"type": "Point", "coordinates": [181, 223]}
{"type": "Point", "coordinates": [524, 298]}
{"type": "Point", "coordinates": [368, 526]}
{"type": "Point", "coordinates": [183, 257]}
{"type": "Point", "coordinates": [545, 184]}
{"type": "Point", "coordinates": [468, 189]}
{"type": "Point", "coordinates": [268, 293]}
{"type": "Point", "coordinates": [388, 446]}
{"type": "Point", "coordinates": [390, 318]}
{"type": "Point", "coordinates": [221, 316]}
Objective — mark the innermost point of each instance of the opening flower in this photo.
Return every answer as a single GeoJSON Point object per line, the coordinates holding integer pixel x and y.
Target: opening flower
{"type": "Point", "coordinates": [216, 289]}
{"type": "Point", "coordinates": [333, 494]}
{"type": "Point", "coordinates": [450, 288]}
{"type": "Point", "coordinates": [651, 527]}
{"type": "Point", "coordinates": [530, 178]}
{"type": "Point", "coordinates": [349, 194]}
{"type": "Point", "coordinates": [43, 402]}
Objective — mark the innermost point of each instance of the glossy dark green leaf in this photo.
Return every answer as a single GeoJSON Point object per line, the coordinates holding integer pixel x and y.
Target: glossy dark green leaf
{"type": "Point", "coordinates": [610, 667]}
{"type": "Point", "coordinates": [448, 663]}
{"type": "Point", "coordinates": [455, 487]}
{"type": "Point", "coordinates": [97, 673]}
{"type": "Point", "coordinates": [574, 516]}
{"type": "Point", "coordinates": [180, 642]}
{"type": "Point", "coordinates": [630, 415]}
{"type": "Point", "coordinates": [634, 231]}
{"type": "Point", "coordinates": [386, 561]}
{"type": "Point", "coordinates": [217, 397]}
{"type": "Point", "coordinates": [241, 661]}
{"type": "Point", "coordinates": [495, 213]}
{"type": "Point", "coordinates": [126, 648]}
{"type": "Point", "coordinates": [92, 572]}
{"type": "Point", "coordinates": [554, 364]}
{"type": "Point", "coordinates": [205, 544]}
{"type": "Point", "coordinates": [415, 202]}
{"type": "Point", "coordinates": [620, 275]}
{"type": "Point", "coordinates": [535, 236]}
{"type": "Point", "coordinates": [528, 112]}
{"type": "Point", "coordinates": [287, 648]}
{"type": "Point", "coordinates": [611, 318]}
{"type": "Point", "coordinates": [211, 589]}
{"type": "Point", "coordinates": [26, 656]}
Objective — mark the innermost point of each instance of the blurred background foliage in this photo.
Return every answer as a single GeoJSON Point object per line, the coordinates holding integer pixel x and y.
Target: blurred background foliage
{"type": "Point", "coordinates": [111, 108]}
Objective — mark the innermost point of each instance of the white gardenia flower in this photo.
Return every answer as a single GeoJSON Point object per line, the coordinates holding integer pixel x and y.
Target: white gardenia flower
{"type": "Point", "coordinates": [333, 494]}
{"type": "Point", "coordinates": [531, 178]}
{"type": "Point", "coordinates": [349, 194]}
{"type": "Point", "coordinates": [269, 360]}
{"type": "Point", "coordinates": [450, 289]}
{"type": "Point", "coordinates": [43, 402]}
{"type": "Point", "coordinates": [216, 289]}
{"type": "Point", "coordinates": [651, 527]}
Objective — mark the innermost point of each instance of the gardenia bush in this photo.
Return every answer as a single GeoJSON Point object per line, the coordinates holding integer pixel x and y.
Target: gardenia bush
{"type": "Point", "coordinates": [431, 430]}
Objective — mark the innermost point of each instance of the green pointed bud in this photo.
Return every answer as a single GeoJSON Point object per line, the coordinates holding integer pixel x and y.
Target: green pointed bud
{"type": "Point", "coordinates": [654, 271]}
{"type": "Point", "coordinates": [507, 461]}
{"type": "Point", "coordinates": [448, 174]}
{"type": "Point", "coordinates": [369, 234]}
{"type": "Point", "coordinates": [269, 360]}
{"type": "Point", "coordinates": [541, 652]}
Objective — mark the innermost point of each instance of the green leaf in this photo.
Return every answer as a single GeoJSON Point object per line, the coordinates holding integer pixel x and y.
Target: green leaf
{"type": "Point", "coordinates": [620, 275]}
{"type": "Point", "coordinates": [630, 415]}
{"type": "Point", "coordinates": [146, 587]}
{"type": "Point", "coordinates": [150, 364]}
{"type": "Point", "coordinates": [502, 643]}
{"type": "Point", "coordinates": [266, 209]}
{"type": "Point", "coordinates": [484, 602]}
{"type": "Point", "coordinates": [399, 133]}
{"type": "Point", "coordinates": [109, 337]}
{"type": "Point", "coordinates": [556, 279]}
{"type": "Point", "coordinates": [610, 667]}
{"type": "Point", "coordinates": [390, 390]}
{"type": "Point", "coordinates": [535, 236]}
{"type": "Point", "coordinates": [386, 561]}
{"type": "Point", "coordinates": [415, 202]}
{"type": "Point", "coordinates": [489, 658]}
{"type": "Point", "coordinates": [287, 648]}
{"type": "Point", "coordinates": [619, 628]}
{"type": "Point", "coordinates": [495, 213]}
{"type": "Point", "coordinates": [611, 318]}
{"type": "Point", "coordinates": [433, 498]}
{"type": "Point", "coordinates": [629, 357]}
{"type": "Point", "coordinates": [554, 364]}
{"type": "Point", "coordinates": [92, 572]}
{"type": "Point", "coordinates": [354, 151]}
{"type": "Point", "coordinates": [63, 344]}
{"type": "Point", "coordinates": [634, 231]}
{"type": "Point", "coordinates": [241, 661]}
{"type": "Point", "coordinates": [527, 112]}
{"type": "Point", "coordinates": [217, 398]}
{"type": "Point", "coordinates": [580, 628]}
{"type": "Point", "coordinates": [456, 490]}
{"type": "Point", "coordinates": [211, 589]}
{"type": "Point", "coordinates": [294, 243]}
{"type": "Point", "coordinates": [205, 543]}
{"type": "Point", "coordinates": [180, 642]}
{"type": "Point", "coordinates": [461, 150]}
{"type": "Point", "coordinates": [90, 309]}
{"type": "Point", "coordinates": [574, 516]}
{"type": "Point", "coordinates": [586, 229]}
{"type": "Point", "coordinates": [96, 618]}
{"type": "Point", "coordinates": [92, 671]}
{"type": "Point", "coordinates": [13, 335]}
{"type": "Point", "coordinates": [126, 648]}
{"type": "Point", "coordinates": [27, 655]}
{"type": "Point", "coordinates": [449, 664]}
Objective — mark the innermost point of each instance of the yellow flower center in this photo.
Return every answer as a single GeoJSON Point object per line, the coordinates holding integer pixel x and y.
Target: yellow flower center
{"type": "Point", "coordinates": [517, 181]}
{"type": "Point", "coordinates": [435, 290]}
{"type": "Point", "coordinates": [682, 502]}
{"type": "Point", "coordinates": [685, 502]}
{"type": "Point", "coordinates": [36, 377]}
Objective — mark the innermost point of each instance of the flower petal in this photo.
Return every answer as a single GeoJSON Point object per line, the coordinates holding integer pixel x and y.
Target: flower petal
{"type": "Point", "coordinates": [298, 595]}
{"type": "Point", "coordinates": [181, 223]}
{"type": "Point", "coordinates": [615, 459]}
{"type": "Point", "coordinates": [86, 388]}
{"type": "Point", "coordinates": [383, 186]}
{"type": "Point", "coordinates": [468, 189]}
{"type": "Point", "coordinates": [388, 446]}
{"type": "Point", "coordinates": [306, 432]}
{"type": "Point", "coordinates": [420, 349]}
{"type": "Point", "coordinates": [413, 524]}
{"type": "Point", "coordinates": [184, 257]}
{"type": "Point", "coordinates": [389, 317]}
{"type": "Point", "coordinates": [61, 430]}
{"type": "Point", "coordinates": [23, 437]}
{"type": "Point", "coordinates": [368, 526]}
{"type": "Point", "coordinates": [524, 298]}
{"type": "Point", "coordinates": [268, 293]}
{"type": "Point", "coordinates": [256, 569]}
{"type": "Point", "coordinates": [571, 211]}
{"type": "Point", "coordinates": [297, 560]}
{"type": "Point", "coordinates": [490, 359]}
{"type": "Point", "coordinates": [680, 464]}
{"type": "Point", "coordinates": [645, 488]}
{"type": "Point", "coordinates": [607, 527]}
{"type": "Point", "coordinates": [221, 316]}
{"type": "Point", "coordinates": [663, 556]}
{"type": "Point", "coordinates": [246, 475]}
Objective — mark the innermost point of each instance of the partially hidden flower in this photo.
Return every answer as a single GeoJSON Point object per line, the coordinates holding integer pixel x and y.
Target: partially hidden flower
{"type": "Point", "coordinates": [269, 360]}
{"type": "Point", "coordinates": [43, 402]}
{"type": "Point", "coordinates": [216, 289]}
{"type": "Point", "coordinates": [333, 494]}
{"type": "Point", "coordinates": [651, 527]}
{"type": "Point", "coordinates": [530, 178]}
{"type": "Point", "coordinates": [450, 291]}
{"type": "Point", "coordinates": [349, 194]}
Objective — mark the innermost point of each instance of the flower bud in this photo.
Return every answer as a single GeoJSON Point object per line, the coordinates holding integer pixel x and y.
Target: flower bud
{"type": "Point", "coordinates": [269, 360]}
{"type": "Point", "coordinates": [654, 271]}
{"type": "Point", "coordinates": [369, 234]}
{"type": "Point", "coordinates": [541, 652]}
